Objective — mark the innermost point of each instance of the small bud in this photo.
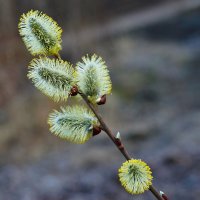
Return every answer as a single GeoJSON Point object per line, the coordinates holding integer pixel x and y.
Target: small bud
{"type": "Point", "coordinates": [162, 194]}
{"type": "Point", "coordinates": [101, 100]}
{"type": "Point", "coordinates": [74, 91]}
{"type": "Point", "coordinates": [96, 130]}
{"type": "Point", "coordinates": [118, 136]}
{"type": "Point", "coordinates": [118, 140]}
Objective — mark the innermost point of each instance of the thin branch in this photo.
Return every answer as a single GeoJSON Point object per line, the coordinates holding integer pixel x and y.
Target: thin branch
{"type": "Point", "coordinates": [118, 144]}
{"type": "Point", "coordinates": [106, 129]}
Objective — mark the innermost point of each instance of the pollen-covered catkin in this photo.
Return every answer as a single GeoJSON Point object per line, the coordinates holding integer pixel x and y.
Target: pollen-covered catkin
{"type": "Point", "coordinates": [93, 78]}
{"type": "Point", "coordinates": [74, 124]}
{"type": "Point", "coordinates": [40, 33]}
{"type": "Point", "coordinates": [135, 176]}
{"type": "Point", "coordinates": [53, 77]}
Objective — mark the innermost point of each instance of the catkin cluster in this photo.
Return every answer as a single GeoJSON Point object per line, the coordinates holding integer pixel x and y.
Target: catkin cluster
{"type": "Point", "coordinates": [60, 80]}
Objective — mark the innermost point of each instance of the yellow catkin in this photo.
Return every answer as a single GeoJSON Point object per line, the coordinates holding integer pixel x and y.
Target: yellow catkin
{"type": "Point", "coordinates": [40, 33]}
{"type": "Point", "coordinates": [93, 77]}
{"type": "Point", "coordinates": [135, 176]}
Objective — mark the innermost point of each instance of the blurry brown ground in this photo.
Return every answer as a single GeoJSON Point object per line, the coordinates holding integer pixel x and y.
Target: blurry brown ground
{"type": "Point", "coordinates": [152, 49]}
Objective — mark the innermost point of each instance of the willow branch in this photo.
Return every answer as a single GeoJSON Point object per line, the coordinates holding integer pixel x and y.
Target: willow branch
{"type": "Point", "coordinates": [117, 143]}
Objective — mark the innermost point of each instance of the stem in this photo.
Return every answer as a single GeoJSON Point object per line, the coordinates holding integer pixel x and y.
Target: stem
{"type": "Point", "coordinates": [120, 146]}
{"type": "Point", "coordinates": [106, 129]}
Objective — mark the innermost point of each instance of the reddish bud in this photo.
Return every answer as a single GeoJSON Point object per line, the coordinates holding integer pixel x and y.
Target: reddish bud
{"type": "Point", "coordinates": [118, 141]}
{"type": "Point", "coordinates": [96, 130]}
{"type": "Point", "coordinates": [74, 91]}
{"type": "Point", "coordinates": [101, 100]}
{"type": "Point", "coordinates": [163, 195]}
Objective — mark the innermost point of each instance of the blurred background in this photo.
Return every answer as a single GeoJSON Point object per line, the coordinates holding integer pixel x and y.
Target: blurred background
{"type": "Point", "coordinates": [152, 49]}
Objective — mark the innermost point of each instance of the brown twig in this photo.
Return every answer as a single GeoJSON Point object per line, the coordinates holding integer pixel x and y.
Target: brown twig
{"type": "Point", "coordinates": [118, 143]}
